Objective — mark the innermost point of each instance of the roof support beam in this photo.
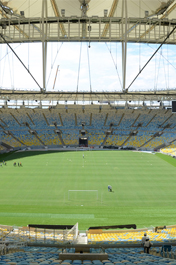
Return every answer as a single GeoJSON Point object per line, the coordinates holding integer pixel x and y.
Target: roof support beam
{"type": "Point", "coordinates": [2, 37]}
{"type": "Point", "coordinates": [57, 14]}
{"type": "Point", "coordinates": [163, 16]}
{"type": "Point", "coordinates": [124, 42]}
{"type": "Point", "coordinates": [44, 41]}
{"type": "Point", "coordinates": [75, 32]}
{"type": "Point", "coordinates": [151, 57]}
{"type": "Point", "coordinates": [17, 95]}
{"type": "Point", "coordinates": [15, 26]}
{"type": "Point", "coordinates": [111, 14]}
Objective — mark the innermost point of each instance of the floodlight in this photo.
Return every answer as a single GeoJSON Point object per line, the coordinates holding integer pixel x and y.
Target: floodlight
{"type": "Point", "coordinates": [89, 28]}
{"type": "Point", "coordinates": [63, 12]}
{"type": "Point", "coordinates": [22, 13]}
{"type": "Point", "coordinates": [146, 13]}
{"type": "Point", "coordinates": [105, 12]}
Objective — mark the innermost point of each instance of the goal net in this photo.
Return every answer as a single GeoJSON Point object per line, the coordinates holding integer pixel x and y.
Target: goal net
{"type": "Point", "coordinates": [71, 235]}
{"type": "Point", "coordinates": [83, 195]}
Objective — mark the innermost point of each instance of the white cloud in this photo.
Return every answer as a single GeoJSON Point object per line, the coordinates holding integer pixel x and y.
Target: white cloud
{"type": "Point", "coordinates": [102, 63]}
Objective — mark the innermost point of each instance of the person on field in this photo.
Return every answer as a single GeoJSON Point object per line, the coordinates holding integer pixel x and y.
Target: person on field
{"type": "Point", "coordinates": [143, 239]}
{"type": "Point", "coordinates": [147, 245]}
{"type": "Point", "coordinates": [109, 188]}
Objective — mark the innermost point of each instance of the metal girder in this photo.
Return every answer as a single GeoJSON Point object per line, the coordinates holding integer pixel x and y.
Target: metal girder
{"type": "Point", "coordinates": [75, 19]}
{"type": "Point", "coordinates": [124, 43]}
{"type": "Point", "coordinates": [44, 41]}
{"type": "Point", "coordinates": [16, 27]}
{"type": "Point", "coordinates": [74, 29]}
{"type": "Point", "coordinates": [111, 14]}
{"type": "Point", "coordinates": [162, 17]}
{"type": "Point", "coordinates": [57, 14]}
{"type": "Point", "coordinates": [152, 57]}
{"type": "Point", "coordinates": [73, 26]}
{"type": "Point", "coordinates": [87, 96]}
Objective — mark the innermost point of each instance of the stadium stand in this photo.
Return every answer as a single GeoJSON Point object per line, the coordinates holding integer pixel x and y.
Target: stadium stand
{"type": "Point", "coordinates": [19, 247]}
{"type": "Point", "coordinates": [148, 129]}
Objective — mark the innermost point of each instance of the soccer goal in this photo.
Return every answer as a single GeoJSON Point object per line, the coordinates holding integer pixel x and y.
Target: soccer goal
{"type": "Point", "coordinates": [83, 195]}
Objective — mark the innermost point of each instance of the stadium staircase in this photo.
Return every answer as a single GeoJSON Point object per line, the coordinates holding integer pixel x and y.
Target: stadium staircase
{"type": "Point", "coordinates": [152, 137]}
{"type": "Point", "coordinates": [106, 118]}
{"type": "Point", "coordinates": [59, 134]}
{"type": "Point", "coordinates": [75, 120]}
{"type": "Point", "coordinates": [105, 139]}
{"type": "Point", "coordinates": [162, 146]}
{"type": "Point", "coordinates": [61, 139]}
{"type": "Point", "coordinates": [3, 122]}
{"type": "Point", "coordinates": [166, 120]}
{"type": "Point", "coordinates": [11, 134]}
{"type": "Point", "coordinates": [91, 119]}
{"type": "Point", "coordinates": [108, 132]}
{"type": "Point", "coordinates": [30, 118]}
{"type": "Point", "coordinates": [6, 146]}
{"type": "Point", "coordinates": [165, 144]}
{"type": "Point", "coordinates": [121, 119]}
{"type": "Point", "coordinates": [60, 119]}
{"type": "Point", "coordinates": [15, 119]}
{"type": "Point", "coordinates": [45, 119]}
{"type": "Point", "coordinates": [125, 141]}
{"type": "Point", "coordinates": [135, 120]}
{"type": "Point", "coordinates": [38, 138]}
{"type": "Point", "coordinates": [33, 132]}
{"type": "Point", "coordinates": [151, 119]}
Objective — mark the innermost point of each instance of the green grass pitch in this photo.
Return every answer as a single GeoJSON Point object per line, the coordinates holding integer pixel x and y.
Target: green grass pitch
{"type": "Point", "coordinates": [144, 188]}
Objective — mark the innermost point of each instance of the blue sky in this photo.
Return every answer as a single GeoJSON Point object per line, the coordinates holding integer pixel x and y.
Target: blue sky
{"type": "Point", "coordinates": [103, 60]}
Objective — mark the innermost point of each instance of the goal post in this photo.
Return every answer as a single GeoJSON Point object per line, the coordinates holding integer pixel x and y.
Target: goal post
{"type": "Point", "coordinates": [82, 194]}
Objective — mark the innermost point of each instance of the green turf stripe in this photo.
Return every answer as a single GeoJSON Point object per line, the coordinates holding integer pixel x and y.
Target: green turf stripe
{"type": "Point", "coordinates": [43, 215]}
{"type": "Point", "coordinates": [167, 158]}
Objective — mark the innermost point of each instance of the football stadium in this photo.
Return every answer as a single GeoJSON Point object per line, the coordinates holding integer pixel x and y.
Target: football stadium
{"type": "Point", "coordinates": [87, 132]}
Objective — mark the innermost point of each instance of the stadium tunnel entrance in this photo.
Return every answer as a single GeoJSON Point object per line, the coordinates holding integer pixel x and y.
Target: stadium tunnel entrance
{"type": "Point", "coordinates": [83, 141]}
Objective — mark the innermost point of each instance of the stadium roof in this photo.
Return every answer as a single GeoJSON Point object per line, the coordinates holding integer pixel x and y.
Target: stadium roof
{"type": "Point", "coordinates": [151, 21]}
{"type": "Point", "coordinates": [88, 20]}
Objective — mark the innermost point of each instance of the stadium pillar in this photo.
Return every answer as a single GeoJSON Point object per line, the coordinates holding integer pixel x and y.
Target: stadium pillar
{"type": "Point", "coordinates": [44, 40]}
{"type": "Point", "coordinates": [124, 42]}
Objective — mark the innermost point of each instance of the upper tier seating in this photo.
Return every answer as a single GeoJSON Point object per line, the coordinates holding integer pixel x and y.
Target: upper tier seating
{"type": "Point", "coordinates": [94, 120]}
